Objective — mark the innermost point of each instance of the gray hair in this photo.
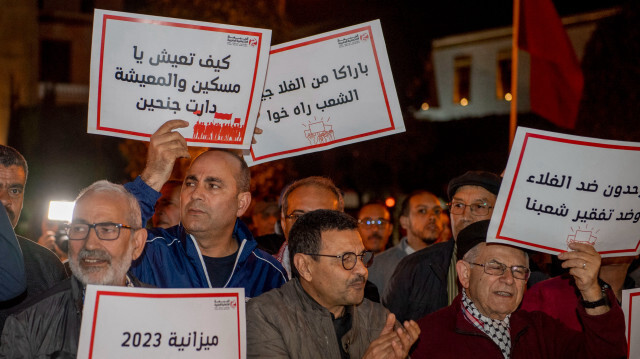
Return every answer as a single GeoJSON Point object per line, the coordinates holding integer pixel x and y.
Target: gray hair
{"type": "Point", "coordinates": [104, 186]}
{"type": "Point", "coordinates": [473, 254]}
{"type": "Point", "coordinates": [313, 181]}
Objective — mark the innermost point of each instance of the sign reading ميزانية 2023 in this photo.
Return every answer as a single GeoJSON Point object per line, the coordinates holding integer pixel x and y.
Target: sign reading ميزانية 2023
{"type": "Point", "coordinates": [146, 70]}
{"type": "Point", "coordinates": [124, 322]}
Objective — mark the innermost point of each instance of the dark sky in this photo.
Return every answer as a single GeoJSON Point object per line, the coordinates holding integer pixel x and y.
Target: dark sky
{"type": "Point", "coordinates": [409, 26]}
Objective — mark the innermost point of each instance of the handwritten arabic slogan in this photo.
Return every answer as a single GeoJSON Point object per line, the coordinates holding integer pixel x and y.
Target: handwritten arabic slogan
{"type": "Point", "coordinates": [631, 309]}
{"type": "Point", "coordinates": [121, 322]}
{"type": "Point", "coordinates": [146, 70]}
{"type": "Point", "coordinates": [326, 91]}
{"type": "Point", "coordinates": [559, 189]}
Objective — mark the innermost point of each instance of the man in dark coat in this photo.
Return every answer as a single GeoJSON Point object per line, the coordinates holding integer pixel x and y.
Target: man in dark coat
{"type": "Point", "coordinates": [105, 236]}
{"type": "Point", "coordinates": [42, 267]}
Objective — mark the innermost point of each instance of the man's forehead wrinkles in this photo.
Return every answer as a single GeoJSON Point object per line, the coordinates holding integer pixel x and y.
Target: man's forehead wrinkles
{"type": "Point", "coordinates": [427, 206]}
{"type": "Point", "coordinates": [474, 198]}
{"type": "Point", "coordinates": [212, 179]}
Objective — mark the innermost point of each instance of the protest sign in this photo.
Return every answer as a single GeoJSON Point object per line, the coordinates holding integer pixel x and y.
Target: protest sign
{"type": "Point", "coordinates": [559, 189]}
{"type": "Point", "coordinates": [146, 70]}
{"type": "Point", "coordinates": [326, 91]}
{"type": "Point", "coordinates": [631, 309]}
{"type": "Point", "coordinates": [122, 322]}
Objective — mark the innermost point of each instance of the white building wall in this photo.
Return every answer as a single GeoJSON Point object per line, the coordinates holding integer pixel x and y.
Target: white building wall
{"type": "Point", "coordinates": [484, 47]}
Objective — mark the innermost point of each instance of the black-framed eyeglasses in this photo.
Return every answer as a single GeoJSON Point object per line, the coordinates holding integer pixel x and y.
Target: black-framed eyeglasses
{"type": "Point", "coordinates": [370, 222]}
{"type": "Point", "coordinates": [106, 231]}
{"type": "Point", "coordinates": [477, 209]}
{"type": "Point", "coordinates": [349, 259]}
{"type": "Point", "coordinates": [497, 268]}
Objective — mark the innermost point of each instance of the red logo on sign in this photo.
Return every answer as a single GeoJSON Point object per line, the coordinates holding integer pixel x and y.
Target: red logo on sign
{"type": "Point", "coordinates": [364, 37]}
{"type": "Point", "coordinates": [233, 304]}
{"type": "Point", "coordinates": [253, 42]}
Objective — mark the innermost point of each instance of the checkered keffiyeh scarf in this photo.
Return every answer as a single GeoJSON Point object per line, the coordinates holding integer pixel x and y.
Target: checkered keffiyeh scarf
{"type": "Point", "coordinates": [497, 330]}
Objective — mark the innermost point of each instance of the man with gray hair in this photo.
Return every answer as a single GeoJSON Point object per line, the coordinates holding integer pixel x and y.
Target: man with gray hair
{"type": "Point", "coordinates": [302, 196]}
{"type": "Point", "coordinates": [484, 321]}
{"type": "Point", "coordinates": [105, 235]}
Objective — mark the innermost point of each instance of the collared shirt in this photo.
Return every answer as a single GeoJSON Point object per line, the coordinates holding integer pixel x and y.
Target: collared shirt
{"type": "Point", "coordinates": [452, 276]}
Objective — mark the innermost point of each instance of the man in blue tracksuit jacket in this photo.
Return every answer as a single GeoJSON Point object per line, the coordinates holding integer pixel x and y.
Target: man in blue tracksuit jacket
{"type": "Point", "coordinates": [211, 247]}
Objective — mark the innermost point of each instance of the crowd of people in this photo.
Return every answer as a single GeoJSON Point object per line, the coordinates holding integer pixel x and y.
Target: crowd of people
{"type": "Point", "coordinates": [324, 284]}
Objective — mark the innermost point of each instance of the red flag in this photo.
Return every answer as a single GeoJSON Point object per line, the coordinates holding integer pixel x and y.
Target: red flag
{"type": "Point", "coordinates": [556, 78]}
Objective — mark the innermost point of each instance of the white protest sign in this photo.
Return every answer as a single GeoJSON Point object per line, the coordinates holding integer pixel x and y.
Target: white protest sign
{"type": "Point", "coordinates": [121, 322]}
{"type": "Point", "coordinates": [631, 309]}
{"type": "Point", "coordinates": [326, 91]}
{"type": "Point", "coordinates": [146, 70]}
{"type": "Point", "coordinates": [559, 189]}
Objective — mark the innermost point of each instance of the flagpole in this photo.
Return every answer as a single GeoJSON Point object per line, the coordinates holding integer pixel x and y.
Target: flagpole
{"type": "Point", "coordinates": [513, 114]}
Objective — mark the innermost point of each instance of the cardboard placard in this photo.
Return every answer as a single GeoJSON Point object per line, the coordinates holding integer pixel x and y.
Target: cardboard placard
{"type": "Point", "coordinates": [559, 189]}
{"type": "Point", "coordinates": [146, 70]}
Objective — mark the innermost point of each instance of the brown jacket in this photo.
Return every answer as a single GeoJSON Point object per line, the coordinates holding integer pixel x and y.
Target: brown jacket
{"type": "Point", "coordinates": [287, 323]}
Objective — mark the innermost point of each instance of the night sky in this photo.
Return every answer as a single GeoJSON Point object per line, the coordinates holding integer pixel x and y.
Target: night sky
{"type": "Point", "coordinates": [63, 158]}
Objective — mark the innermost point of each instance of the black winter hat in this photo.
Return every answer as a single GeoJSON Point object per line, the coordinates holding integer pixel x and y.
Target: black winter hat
{"type": "Point", "coordinates": [487, 180]}
{"type": "Point", "coordinates": [471, 235]}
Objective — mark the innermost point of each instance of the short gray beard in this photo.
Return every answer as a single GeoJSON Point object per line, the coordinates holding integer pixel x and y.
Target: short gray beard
{"type": "Point", "coordinates": [114, 274]}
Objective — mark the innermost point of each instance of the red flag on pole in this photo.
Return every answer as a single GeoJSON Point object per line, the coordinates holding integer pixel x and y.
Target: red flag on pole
{"type": "Point", "coordinates": [556, 78]}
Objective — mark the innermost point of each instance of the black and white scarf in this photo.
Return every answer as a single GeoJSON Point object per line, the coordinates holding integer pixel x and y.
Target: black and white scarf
{"type": "Point", "coordinates": [497, 330]}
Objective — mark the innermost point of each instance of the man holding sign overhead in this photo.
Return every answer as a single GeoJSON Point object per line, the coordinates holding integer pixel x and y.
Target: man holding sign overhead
{"type": "Point", "coordinates": [211, 247]}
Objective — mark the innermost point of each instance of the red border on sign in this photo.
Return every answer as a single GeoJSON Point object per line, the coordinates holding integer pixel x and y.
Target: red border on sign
{"type": "Point", "coordinates": [186, 26]}
{"type": "Point", "coordinates": [629, 322]}
{"type": "Point", "coordinates": [384, 92]}
{"type": "Point", "coordinates": [164, 296]}
{"type": "Point", "coordinates": [515, 176]}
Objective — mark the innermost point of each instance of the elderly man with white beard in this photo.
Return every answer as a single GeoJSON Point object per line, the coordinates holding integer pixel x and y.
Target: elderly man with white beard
{"type": "Point", "coordinates": [105, 235]}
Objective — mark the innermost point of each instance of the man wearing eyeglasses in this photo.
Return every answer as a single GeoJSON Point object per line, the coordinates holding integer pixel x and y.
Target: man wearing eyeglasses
{"type": "Point", "coordinates": [427, 280]}
{"type": "Point", "coordinates": [104, 237]}
{"type": "Point", "coordinates": [302, 196]}
{"type": "Point", "coordinates": [375, 227]}
{"type": "Point", "coordinates": [484, 321]}
{"type": "Point", "coordinates": [321, 312]}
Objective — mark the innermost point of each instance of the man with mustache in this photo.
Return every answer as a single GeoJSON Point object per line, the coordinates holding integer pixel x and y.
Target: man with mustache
{"type": "Point", "coordinates": [484, 321]}
{"type": "Point", "coordinates": [375, 227]}
{"type": "Point", "coordinates": [105, 235]}
{"type": "Point", "coordinates": [321, 311]}
{"type": "Point", "coordinates": [210, 247]}
{"type": "Point", "coordinates": [421, 218]}
{"type": "Point", "coordinates": [43, 268]}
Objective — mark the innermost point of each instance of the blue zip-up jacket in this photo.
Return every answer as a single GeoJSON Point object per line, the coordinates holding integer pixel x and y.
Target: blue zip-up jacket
{"type": "Point", "coordinates": [172, 258]}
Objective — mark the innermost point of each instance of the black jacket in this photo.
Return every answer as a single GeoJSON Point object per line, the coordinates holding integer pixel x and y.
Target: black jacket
{"type": "Point", "coordinates": [50, 328]}
{"type": "Point", "coordinates": [418, 285]}
{"type": "Point", "coordinates": [43, 269]}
